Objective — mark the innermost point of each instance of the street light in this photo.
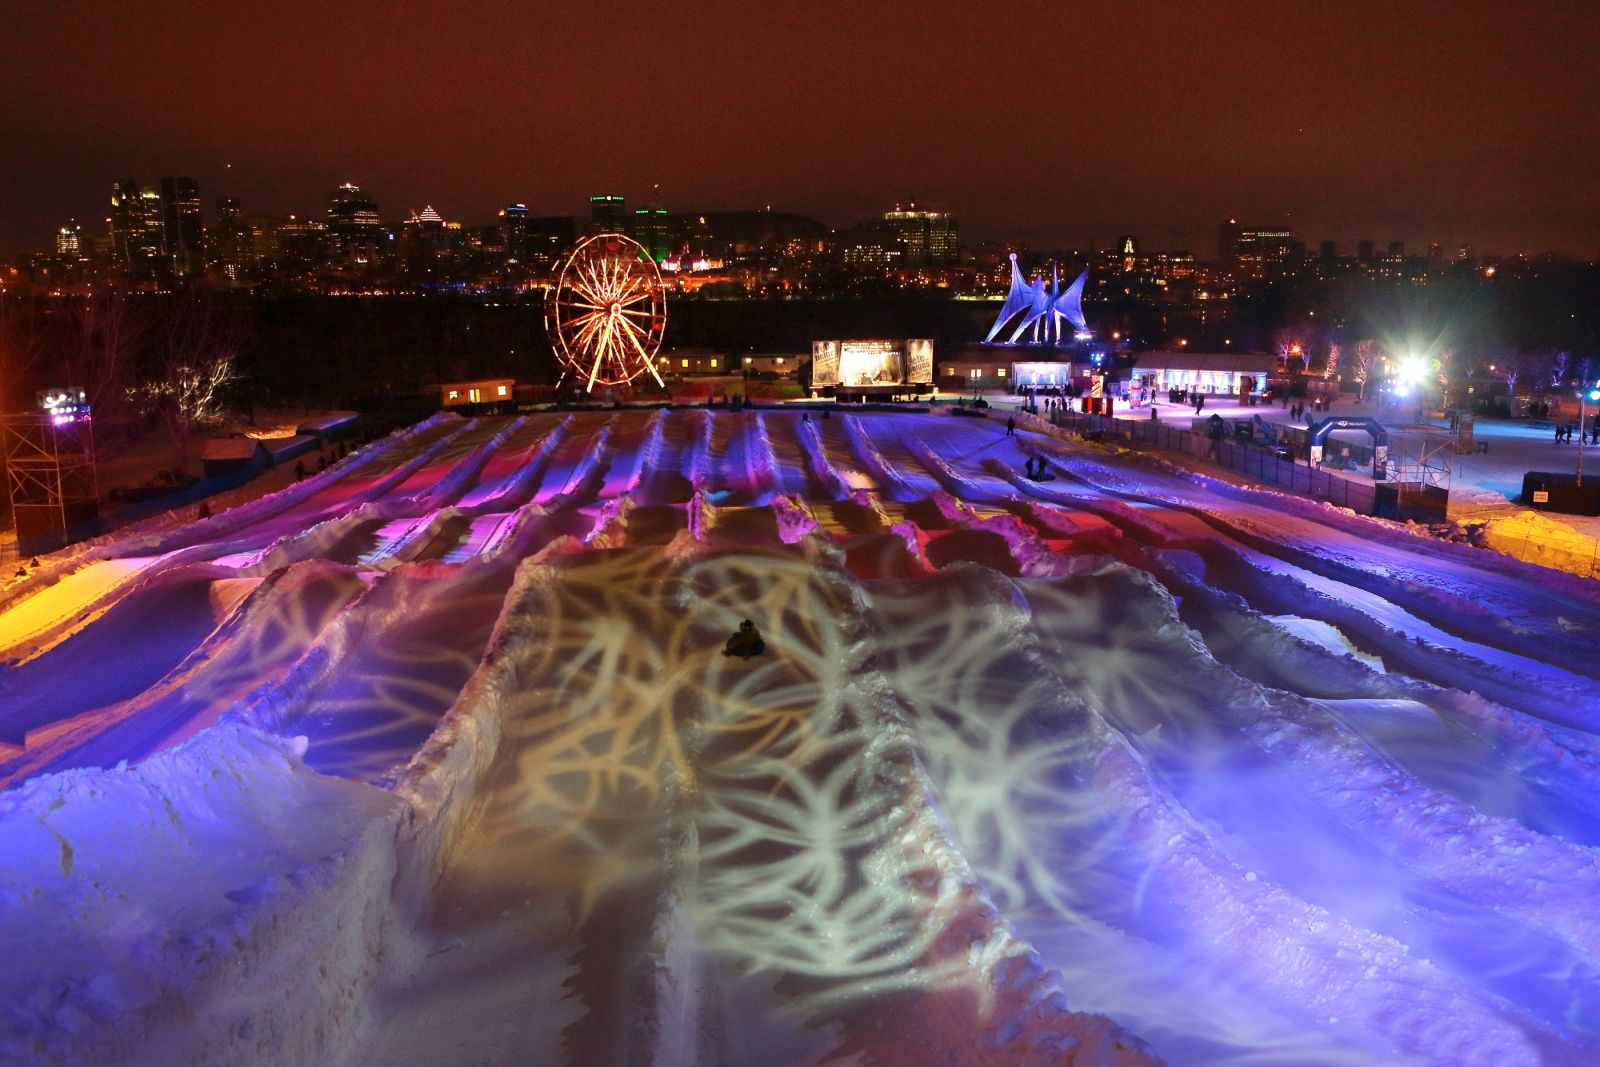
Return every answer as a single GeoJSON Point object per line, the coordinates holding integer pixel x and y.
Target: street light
{"type": "Point", "coordinates": [1591, 393]}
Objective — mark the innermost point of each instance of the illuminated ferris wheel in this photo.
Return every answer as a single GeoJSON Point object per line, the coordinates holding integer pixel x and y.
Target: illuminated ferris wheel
{"type": "Point", "coordinates": [607, 312]}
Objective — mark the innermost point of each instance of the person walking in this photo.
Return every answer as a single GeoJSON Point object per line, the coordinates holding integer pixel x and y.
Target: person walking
{"type": "Point", "coordinates": [1011, 426]}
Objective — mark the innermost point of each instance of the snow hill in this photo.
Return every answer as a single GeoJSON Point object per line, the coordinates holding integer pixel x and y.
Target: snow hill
{"type": "Point", "coordinates": [435, 759]}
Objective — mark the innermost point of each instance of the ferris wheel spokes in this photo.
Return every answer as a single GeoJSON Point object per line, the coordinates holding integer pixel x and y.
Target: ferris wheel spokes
{"type": "Point", "coordinates": [607, 312]}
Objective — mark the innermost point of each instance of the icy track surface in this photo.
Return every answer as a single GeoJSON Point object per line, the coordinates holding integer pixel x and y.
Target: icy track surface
{"type": "Point", "coordinates": [434, 759]}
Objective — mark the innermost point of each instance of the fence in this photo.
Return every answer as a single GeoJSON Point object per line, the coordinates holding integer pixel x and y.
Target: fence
{"type": "Point", "coordinates": [1254, 461]}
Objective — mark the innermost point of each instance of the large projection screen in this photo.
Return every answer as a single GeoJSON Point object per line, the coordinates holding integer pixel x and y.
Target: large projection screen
{"type": "Point", "coordinates": [824, 364]}
{"type": "Point", "coordinates": [870, 363]}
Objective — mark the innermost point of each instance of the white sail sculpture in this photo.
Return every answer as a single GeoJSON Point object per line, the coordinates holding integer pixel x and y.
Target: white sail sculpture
{"type": "Point", "coordinates": [1040, 307]}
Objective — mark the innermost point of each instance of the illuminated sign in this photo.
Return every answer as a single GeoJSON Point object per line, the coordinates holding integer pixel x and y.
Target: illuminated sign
{"type": "Point", "coordinates": [824, 364]}
{"type": "Point", "coordinates": [919, 361]}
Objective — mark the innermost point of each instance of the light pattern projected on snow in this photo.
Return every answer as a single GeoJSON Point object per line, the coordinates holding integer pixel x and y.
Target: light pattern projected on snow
{"type": "Point", "coordinates": [1257, 781]}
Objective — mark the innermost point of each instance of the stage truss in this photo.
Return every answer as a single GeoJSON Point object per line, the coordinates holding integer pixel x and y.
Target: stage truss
{"type": "Point", "coordinates": [607, 312]}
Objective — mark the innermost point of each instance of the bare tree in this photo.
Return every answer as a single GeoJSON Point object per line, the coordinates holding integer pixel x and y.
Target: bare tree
{"type": "Point", "coordinates": [1509, 369]}
{"type": "Point", "coordinates": [1294, 345]}
{"type": "Point", "coordinates": [1558, 370]}
{"type": "Point", "coordinates": [22, 347]}
{"type": "Point", "coordinates": [1361, 365]}
{"type": "Point", "coordinates": [1447, 367]}
{"type": "Point", "coordinates": [99, 352]}
{"type": "Point", "coordinates": [196, 357]}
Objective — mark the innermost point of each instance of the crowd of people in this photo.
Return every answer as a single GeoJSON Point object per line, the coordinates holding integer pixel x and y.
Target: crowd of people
{"type": "Point", "coordinates": [1564, 432]}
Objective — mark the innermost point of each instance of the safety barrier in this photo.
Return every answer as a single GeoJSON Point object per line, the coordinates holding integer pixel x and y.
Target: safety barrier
{"type": "Point", "coordinates": [1254, 461]}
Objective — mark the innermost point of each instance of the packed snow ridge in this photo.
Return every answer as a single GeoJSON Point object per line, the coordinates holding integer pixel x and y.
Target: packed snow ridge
{"type": "Point", "coordinates": [436, 759]}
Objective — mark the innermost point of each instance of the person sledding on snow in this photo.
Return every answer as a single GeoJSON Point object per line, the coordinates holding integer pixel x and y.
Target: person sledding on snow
{"type": "Point", "coordinates": [745, 642]}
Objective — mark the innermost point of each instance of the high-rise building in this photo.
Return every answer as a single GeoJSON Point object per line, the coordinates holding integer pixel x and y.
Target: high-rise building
{"type": "Point", "coordinates": [354, 225]}
{"type": "Point", "coordinates": [550, 236]}
{"type": "Point", "coordinates": [1397, 250]}
{"type": "Point", "coordinates": [152, 249]}
{"type": "Point", "coordinates": [652, 229]}
{"type": "Point", "coordinates": [181, 226]}
{"type": "Point", "coordinates": [127, 224]}
{"type": "Point", "coordinates": [514, 233]}
{"type": "Point", "coordinates": [608, 213]}
{"type": "Point", "coordinates": [299, 244]}
{"type": "Point", "coordinates": [1365, 250]}
{"type": "Point", "coordinates": [68, 243]}
{"type": "Point", "coordinates": [231, 245]}
{"type": "Point", "coordinates": [1248, 249]}
{"type": "Point", "coordinates": [1328, 250]}
{"type": "Point", "coordinates": [926, 237]}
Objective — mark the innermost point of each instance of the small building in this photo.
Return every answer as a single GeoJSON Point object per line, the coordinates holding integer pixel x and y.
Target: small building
{"type": "Point", "coordinates": [331, 427]}
{"type": "Point", "coordinates": [283, 449]}
{"type": "Point", "coordinates": [689, 361]}
{"type": "Point", "coordinates": [779, 364]}
{"type": "Point", "coordinates": [961, 374]}
{"type": "Point", "coordinates": [1236, 373]}
{"type": "Point", "coordinates": [229, 455]}
{"type": "Point", "coordinates": [482, 391]}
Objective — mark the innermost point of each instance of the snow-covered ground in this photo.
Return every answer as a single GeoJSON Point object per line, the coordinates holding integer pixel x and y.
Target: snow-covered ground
{"type": "Point", "coordinates": [1484, 484]}
{"type": "Point", "coordinates": [435, 759]}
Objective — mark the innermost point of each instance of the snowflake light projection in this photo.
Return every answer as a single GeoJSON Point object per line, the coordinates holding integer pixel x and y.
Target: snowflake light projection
{"type": "Point", "coordinates": [607, 312]}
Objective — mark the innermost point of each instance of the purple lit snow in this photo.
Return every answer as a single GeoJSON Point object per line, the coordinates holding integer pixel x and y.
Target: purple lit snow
{"type": "Point", "coordinates": [434, 759]}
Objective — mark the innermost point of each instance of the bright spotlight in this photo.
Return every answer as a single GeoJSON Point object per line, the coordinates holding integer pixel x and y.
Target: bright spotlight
{"type": "Point", "coordinates": [1411, 371]}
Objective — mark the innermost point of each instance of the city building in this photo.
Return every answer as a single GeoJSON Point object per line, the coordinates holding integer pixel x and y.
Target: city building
{"type": "Point", "coordinates": [231, 246]}
{"type": "Point", "coordinates": [870, 246]}
{"type": "Point", "coordinates": [653, 230]}
{"type": "Point", "coordinates": [300, 244]}
{"type": "Point", "coordinates": [354, 225]}
{"type": "Point", "coordinates": [550, 237]}
{"type": "Point", "coordinates": [181, 225]}
{"type": "Point", "coordinates": [127, 221]}
{"type": "Point", "coordinates": [1251, 250]}
{"type": "Point", "coordinates": [68, 243]}
{"type": "Point", "coordinates": [138, 227]}
{"type": "Point", "coordinates": [514, 233]}
{"type": "Point", "coordinates": [926, 237]}
{"type": "Point", "coordinates": [608, 213]}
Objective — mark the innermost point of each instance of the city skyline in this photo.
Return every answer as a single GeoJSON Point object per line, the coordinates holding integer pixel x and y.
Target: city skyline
{"type": "Point", "coordinates": [1405, 126]}
{"type": "Point", "coordinates": [85, 228]}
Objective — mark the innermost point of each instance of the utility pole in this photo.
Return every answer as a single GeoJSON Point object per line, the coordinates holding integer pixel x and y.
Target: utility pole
{"type": "Point", "coordinates": [1584, 392]}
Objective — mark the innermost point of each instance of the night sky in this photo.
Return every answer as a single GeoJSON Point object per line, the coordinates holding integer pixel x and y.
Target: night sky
{"type": "Point", "coordinates": [1052, 122]}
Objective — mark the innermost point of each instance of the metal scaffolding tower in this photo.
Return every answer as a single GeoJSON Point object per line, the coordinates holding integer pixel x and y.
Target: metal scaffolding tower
{"type": "Point", "coordinates": [50, 473]}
